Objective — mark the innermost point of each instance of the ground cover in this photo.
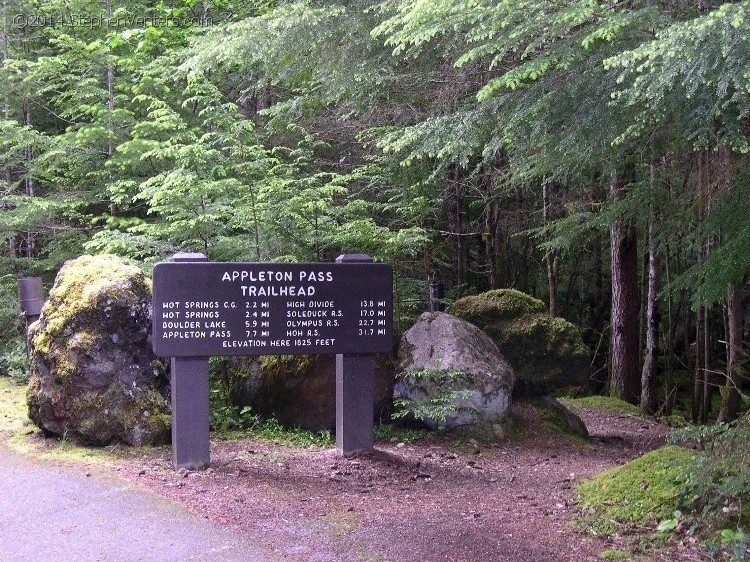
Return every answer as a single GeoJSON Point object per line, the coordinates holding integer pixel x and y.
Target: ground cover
{"type": "Point", "coordinates": [439, 497]}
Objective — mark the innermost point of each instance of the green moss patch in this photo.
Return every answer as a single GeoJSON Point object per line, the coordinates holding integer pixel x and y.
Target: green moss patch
{"type": "Point", "coordinates": [81, 289]}
{"type": "Point", "coordinates": [502, 304]}
{"type": "Point", "coordinates": [556, 419]}
{"type": "Point", "coordinates": [601, 403]}
{"type": "Point", "coordinates": [641, 492]}
{"type": "Point", "coordinates": [531, 417]}
{"type": "Point", "coordinates": [613, 554]}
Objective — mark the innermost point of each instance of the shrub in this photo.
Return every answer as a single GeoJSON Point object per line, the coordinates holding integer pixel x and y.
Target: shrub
{"type": "Point", "coordinates": [440, 398]}
{"type": "Point", "coordinates": [13, 361]}
{"type": "Point", "coordinates": [11, 318]}
{"type": "Point", "coordinates": [715, 500]}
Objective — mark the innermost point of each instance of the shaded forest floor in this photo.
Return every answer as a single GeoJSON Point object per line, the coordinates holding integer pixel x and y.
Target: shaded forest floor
{"type": "Point", "coordinates": [439, 498]}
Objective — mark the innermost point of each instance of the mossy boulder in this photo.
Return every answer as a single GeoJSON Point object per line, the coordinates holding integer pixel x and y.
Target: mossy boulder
{"type": "Point", "coordinates": [557, 416]}
{"type": "Point", "coordinates": [546, 352]}
{"type": "Point", "coordinates": [300, 390]}
{"type": "Point", "coordinates": [94, 377]}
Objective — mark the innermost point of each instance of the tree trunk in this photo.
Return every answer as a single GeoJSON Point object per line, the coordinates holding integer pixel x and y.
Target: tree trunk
{"type": "Point", "coordinates": [456, 227]}
{"type": "Point", "coordinates": [625, 379]}
{"type": "Point", "coordinates": [669, 344]}
{"type": "Point", "coordinates": [698, 386]}
{"type": "Point", "coordinates": [493, 242]}
{"type": "Point", "coordinates": [708, 386]}
{"type": "Point", "coordinates": [648, 374]}
{"type": "Point", "coordinates": [730, 404]}
{"type": "Point", "coordinates": [29, 181]}
{"type": "Point", "coordinates": [553, 260]}
{"type": "Point", "coordinates": [599, 301]}
{"type": "Point", "coordinates": [699, 411]}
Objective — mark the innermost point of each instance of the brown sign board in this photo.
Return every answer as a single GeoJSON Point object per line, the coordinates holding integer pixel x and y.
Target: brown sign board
{"type": "Point", "coordinates": [204, 309]}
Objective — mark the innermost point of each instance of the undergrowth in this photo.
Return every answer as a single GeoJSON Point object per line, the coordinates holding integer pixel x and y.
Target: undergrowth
{"type": "Point", "coordinates": [681, 492]}
{"type": "Point", "coordinates": [229, 421]}
{"type": "Point", "coordinates": [387, 432]}
{"type": "Point", "coordinates": [13, 362]}
{"type": "Point", "coordinates": [715, 500]}
{"type": "Point", "coordinates": [436, 397]}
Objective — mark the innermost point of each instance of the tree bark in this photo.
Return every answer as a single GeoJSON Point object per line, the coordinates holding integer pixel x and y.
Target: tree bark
{"type": "Point", "coordinates": [698, 368]}
{"type": "Point", "coordinates": [708, 385]}
{"type": "Point", "coordinates": [624, 375]}
{"type": "Point", "coordinates": [454, 202]}
{"type": "Point", "coordinates": [730, 404]}
{"type": "Point", "coordinates": [648, 374]}
{"type": "Point", "coordinates": [699, 413]}
{"type": "Point", "coordinates": [553, 260]}
{"type": "Point", "coordinates": [6, 115]}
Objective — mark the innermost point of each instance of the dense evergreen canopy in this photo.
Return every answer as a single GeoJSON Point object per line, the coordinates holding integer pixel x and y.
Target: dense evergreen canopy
{"type": "Point", "coordinates": [484, 143]}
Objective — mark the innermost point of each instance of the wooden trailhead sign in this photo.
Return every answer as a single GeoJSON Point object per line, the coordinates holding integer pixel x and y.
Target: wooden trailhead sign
{"type": "Point", "coordinates": [202, 309]}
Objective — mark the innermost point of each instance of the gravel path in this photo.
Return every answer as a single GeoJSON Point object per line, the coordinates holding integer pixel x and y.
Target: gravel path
{"type": "Point", "coordinates": [53, 513]}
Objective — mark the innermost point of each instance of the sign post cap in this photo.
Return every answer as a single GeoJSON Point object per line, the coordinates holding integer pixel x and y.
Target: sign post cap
{"type": "Point", "coordinates": [189, 256]}
{"type": "Point", "coordinates": [354, 258]}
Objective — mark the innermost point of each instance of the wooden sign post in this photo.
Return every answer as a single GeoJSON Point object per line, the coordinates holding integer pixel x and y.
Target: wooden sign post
{"type": "Point", "coordinates": [31, 300]}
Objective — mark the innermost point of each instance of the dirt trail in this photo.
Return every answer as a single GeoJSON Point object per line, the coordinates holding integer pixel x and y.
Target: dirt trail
{"type": "Point", "coordinates": [439, 499]}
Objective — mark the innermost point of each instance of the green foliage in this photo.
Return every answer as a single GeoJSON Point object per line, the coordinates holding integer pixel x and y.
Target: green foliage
{"type": "Point", "coordinates": [229, 420]}
{"type": "Point", "coordinates": [390, 432]}
{"type": "Point", "coordinates": [11, 317]}
{"type": "Point", "coordinates": [677, 74]}
{"type": "Point", "coordinates": [443, 402]}
{"type": "Point", "coordinates": [715, 499]}
{"type": "Point", "coordinates": [223, 415]}
{"type": "Point", "coordinates": [272, 430]}
{"type": "Point", "coordinates": [419, 132]}
{"type": "Point", "coordinates": [13, 361]}
{"type": "Point", "coordinates": [704, 494]}
{"type": "Point", "coordinates": [613, 554]}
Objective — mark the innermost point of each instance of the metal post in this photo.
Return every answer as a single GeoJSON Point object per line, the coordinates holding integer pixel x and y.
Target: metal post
{"type": "Point", "coordinates": [190, 397]}
{"type": "Point", "coordinates": [354, 392]}
{"type": "Point", "coordinates": [437, 294]}
{"type": "Point", "coordinates": [31, 299]}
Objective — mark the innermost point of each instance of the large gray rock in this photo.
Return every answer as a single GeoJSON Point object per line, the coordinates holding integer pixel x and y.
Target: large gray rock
{"type": "Point", "coordinates": [94, 377]}
{"type": "Point", "coordinates": [451, 373]}
{"type": "Point", "coordinates": [299, 390]}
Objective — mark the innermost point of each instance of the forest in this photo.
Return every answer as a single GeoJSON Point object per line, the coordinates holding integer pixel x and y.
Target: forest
{"type": "Point", "coordinates": [591, 154]}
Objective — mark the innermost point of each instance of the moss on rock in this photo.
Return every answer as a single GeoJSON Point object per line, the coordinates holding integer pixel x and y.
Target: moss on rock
{"type": "Point", "coordinates": [546, 352]}
{"type": "Point", "coordinates": [94, 377]}
{"type": "Point", "coordinates": [559, 418]}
